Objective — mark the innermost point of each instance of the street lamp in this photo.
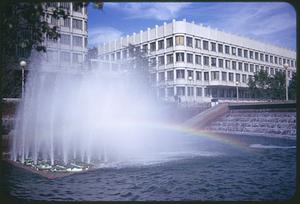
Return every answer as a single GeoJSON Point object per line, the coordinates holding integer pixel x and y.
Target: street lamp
{"type": "Point", "coordinates": [286, 66]}
{"type": "Point", "coordinates": [237, 90]}
{"type": "Point", "coordinates": [23, 65]}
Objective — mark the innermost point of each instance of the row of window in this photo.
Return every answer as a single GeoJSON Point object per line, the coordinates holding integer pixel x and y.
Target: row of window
{"type": "Point", "coordinates": [189, 91]}
{"type": "Point", "coordinates": [201, 76]}
{"type": "Point", "coordinates": [216, 47]}
{"type": "Point", "coordinates": [76, 23]}
{"type": "Point", "coordinates": [67, 6]}
{"type": "Point", "coordinates": [64, 56]}
{"type": "Point", "coordinates": [207, 61]}
{"type": "Point", "coordinates": [77, 41]}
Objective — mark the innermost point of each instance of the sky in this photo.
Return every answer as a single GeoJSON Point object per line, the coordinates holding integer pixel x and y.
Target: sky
{"type": "Point", "coordinates": [272, 22]}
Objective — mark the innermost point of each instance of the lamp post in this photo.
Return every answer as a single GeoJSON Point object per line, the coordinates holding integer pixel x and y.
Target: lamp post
{"type": "Point", "coordinates": [23, 65]}
{"type": "Point", "coordinates": [286, 66]}
{"type": "Point", "coordinates": [237, 90]}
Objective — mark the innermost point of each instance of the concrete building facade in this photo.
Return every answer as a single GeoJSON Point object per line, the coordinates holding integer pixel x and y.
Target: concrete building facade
{"type": "Point", "coordinates": [198, 63]}
{"type": "Point", "coordinates": [70, 50]}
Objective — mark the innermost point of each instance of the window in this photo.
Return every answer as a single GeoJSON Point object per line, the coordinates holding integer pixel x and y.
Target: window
{"type": "Point", "coordinates": [206, 76]}
{"type": "Point", "coordinates": [246, 53]}
{"type": "Point", "coordinates": [227, 64]}
{"type": "Point", "coordinates": [77, 58]}
{"type": "Point", "coordinates": [118, 55]}
{"type": "Point", "coordinates": [65, 5]}
{"type": "Point", "coordinates": [190, 73]}
{"type": "Point", "coordinates": [161, 60]}
{"type": "Point", "coordinates": [180, 74]}
{"type": "Point", "coordinates": [230, 77]}
{"type": "Point", "coordinates": [161, 76]}
{"type": "Point", "coordinates": [256, 55]}
{"type": "Point", "coordinates": [251, 54]}
{"type": "Point", "coordinates": [237, 77]}
{"type": "Point", "coordinates": [170, 42]}
{"type": "Point", "coordinates": [261, 57]}
{"type": "Point", "coordinates": [77, 8]}
{"type": "Point", "coordinates": [284, 60]}
{"type": "Point", "coordinates": [77, 24]}
{"type": "Point", "coordinates": [244, 77]}
{"type": "Point", "coordinates": [170, 59]}
{"type": "Point", "coordinates": [220, 48]}
{"type": "Point", "coordinates": [189, 58]}
{"type": "Point", "coordinates": [214, 75]}
{"type": "Point", "coordinates": [54, 21]}
{"type": "Point", "coordinates": [179, 40]}
{"type": "Point", "coordinates": [233, 50]}
{"type": "Point", "coordinates": [240, 66]}
{"type": "Point", "coordinates": [206, 92]}
{"type": "Point", "coordinates": [280, 61]}
{"type": "Point", "coordinates": [180, 91]}
{"type": "Point", "coordinates": [205, 44]}
{"type": "Point", "coordinates": [206, 60]}
{"type": "Point", "coordinates": [275, 60]}
{"type": "Point", "coordinates": [272, 71]}
{"type": "Point", "coordinates": [52, 4]}
{"type": "Point", "coordinates": [179, 57]}
{"type": "Point", "coordinates": [170, 91]}
{"type": "Point", "coordinates": [256, 68]}
{"type": "Point", "coordinates": [221, 63]}
{"type": "Point", "coordinates": [251, 67]}
{"type": "Point", "coordinates": [267, 58]}
{"type": "Point", "coordinates": [85, 42]}
{"type": "Point", "coordinates": [198, 75]}
{"type": "Point", "coordinates": [161, 44]}
{"type": "Point", "coordinates": [198, 91]}
{"type": "Point", "coordinates": [112, 56]}
{"type": "Point", "coordinates": [124, 54]}
{"type": "Point", "coordinates": [107, 57]}
{"type": "Point", "coordinates": [66, 22]}
{"type": "Point", "coordinates": [145, 48]}
{"type": "Point", "coordinates": [246, 67]}
{"type": "Point", "coordinates": [227, 49]}
{"type": "Point", "coordinates": [153, 62]}
{"type": "Point", "coordinates": [65, 57]}
{"type": "Point", "coordinates": [190, 91]}
{"type": "Point", "coordinates": [234, 65]}
{"type": "Point", "coordinates": [65, 39]}
{"type": "Point", "coordinates": [197, 59]}
{"type": "Point", "coordinates": [198, 43]}
{"type": "Point", "coordinates": [240, 52]}
{"type": "Point", "coordinates": [170, 75]}
{"type": "Point", "coordinates": [213, 62]}
{"type": "Point", "coordinates": [224, 76]}
{"type": "Point", "coordinates": [213, 46]}
{"type": "Point", "coordinates": [292, 63]}
{"type": "Point", "coordinates": [189, 41]}
{"type": "Point", "coordinates": [271, 59]}
{"type": "Point", "coordinates": [77, 41]}
{"type": "Point", "coordinates": [52, 55]}
{"type": "Point", "coordinates": [152, 46]}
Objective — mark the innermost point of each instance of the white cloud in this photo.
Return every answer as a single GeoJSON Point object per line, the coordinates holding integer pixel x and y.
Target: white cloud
{"type": "Point", "coordinates": [99, 35]}
{"type": "Point", "coordinates": [155, 11]}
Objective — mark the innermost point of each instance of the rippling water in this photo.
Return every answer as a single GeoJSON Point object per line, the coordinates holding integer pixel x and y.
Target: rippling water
{"type": "Point", "coordinates": [255, 168]}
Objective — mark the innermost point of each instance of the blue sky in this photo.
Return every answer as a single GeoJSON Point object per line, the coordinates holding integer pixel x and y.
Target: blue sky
{"type": "Point", "coordinates": [270, 22]}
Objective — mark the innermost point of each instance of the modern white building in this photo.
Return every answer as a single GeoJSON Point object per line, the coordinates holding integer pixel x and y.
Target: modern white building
{"type": "Point", "coordinates": [197, 62]}
{"type": "Point", "coordinates": [70, 50]}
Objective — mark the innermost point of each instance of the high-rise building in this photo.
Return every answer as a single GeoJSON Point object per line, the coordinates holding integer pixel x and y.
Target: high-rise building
{"type": "Point", "coordinates": [70, 50]}
{"type": "Point", "coordinates": [197, 62]}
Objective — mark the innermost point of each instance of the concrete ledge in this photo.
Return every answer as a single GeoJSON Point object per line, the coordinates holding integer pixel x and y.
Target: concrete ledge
{"type": "Point", "coordinates": [255, 134]}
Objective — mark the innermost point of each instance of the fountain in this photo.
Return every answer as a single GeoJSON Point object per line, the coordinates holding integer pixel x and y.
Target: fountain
{"type": "Point", "coordinates": [93, 118]}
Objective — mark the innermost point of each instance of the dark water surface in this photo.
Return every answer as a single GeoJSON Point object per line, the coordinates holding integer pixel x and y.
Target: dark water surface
{"type": "Point", "coordinates": [250, 168]}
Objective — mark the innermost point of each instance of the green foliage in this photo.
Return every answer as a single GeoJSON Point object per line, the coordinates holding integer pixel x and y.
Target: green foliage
{"type": "Point", "coordinates": [264, 86]}
{"type": "Point", "coordinates": [292, 87]}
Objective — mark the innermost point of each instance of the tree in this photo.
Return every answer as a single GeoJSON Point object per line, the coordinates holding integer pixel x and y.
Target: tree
{"type": "Point", "coordinates": [265, 86]}
{"type": "Point", "coordinates": [292, 87]}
